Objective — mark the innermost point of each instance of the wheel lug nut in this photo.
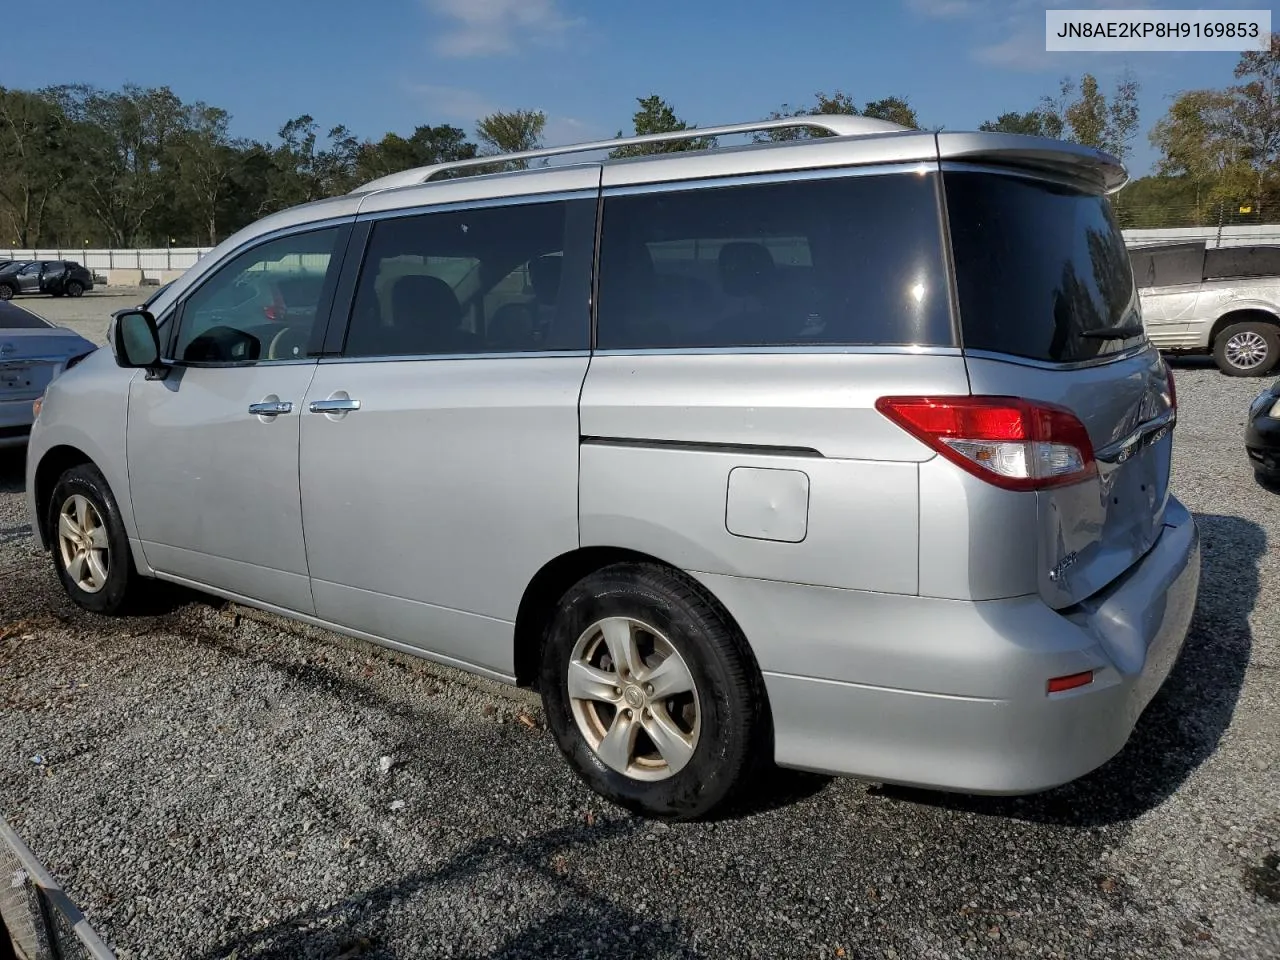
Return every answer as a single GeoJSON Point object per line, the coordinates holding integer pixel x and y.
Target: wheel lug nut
{"type": "Point", "coordinates": [648, 688]}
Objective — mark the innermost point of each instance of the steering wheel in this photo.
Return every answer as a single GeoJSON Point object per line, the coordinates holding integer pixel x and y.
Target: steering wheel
{"type": "Point", "coordinates": [289, 344]}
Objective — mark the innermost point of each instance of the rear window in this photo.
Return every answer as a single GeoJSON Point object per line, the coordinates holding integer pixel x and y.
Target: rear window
{"type": "Point", "coordinates": [843, 261]}
{"type": "Point", "coordinates": [1038, 267]}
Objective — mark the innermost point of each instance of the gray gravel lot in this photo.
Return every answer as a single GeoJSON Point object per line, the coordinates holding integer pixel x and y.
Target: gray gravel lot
{"type": "Point", "coordinates": [210, 786]}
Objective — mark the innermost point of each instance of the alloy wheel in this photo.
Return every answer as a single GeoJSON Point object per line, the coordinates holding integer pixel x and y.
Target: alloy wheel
{"type": "Point", "coordinates": [82, 542]}
{"type": "Point", "coordinates": [634, 699]}
{"type": "Point", "coordinates": [1246, 350]}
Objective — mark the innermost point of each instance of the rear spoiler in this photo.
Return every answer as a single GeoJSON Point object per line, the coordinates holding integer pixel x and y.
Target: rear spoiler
{"type": "Point", "coordinates": [1087, 166]}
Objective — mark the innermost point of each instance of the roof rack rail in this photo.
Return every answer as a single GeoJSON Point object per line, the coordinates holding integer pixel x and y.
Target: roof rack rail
{"type": "Point", "coordinates": [840, 125]}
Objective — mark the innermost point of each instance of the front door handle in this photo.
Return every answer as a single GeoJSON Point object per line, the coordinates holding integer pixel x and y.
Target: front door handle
{"type": "Point", "coordinates": [334, 405]}
{"type": "Point", "coordinates": [270, 408]}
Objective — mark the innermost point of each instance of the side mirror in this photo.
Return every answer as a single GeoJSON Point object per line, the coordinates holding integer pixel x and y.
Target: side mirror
{"type": "Point", "coordinates": [136, 341]}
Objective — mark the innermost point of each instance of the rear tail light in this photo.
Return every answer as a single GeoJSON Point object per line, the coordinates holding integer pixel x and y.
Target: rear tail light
{"type": "Point", "coordinates": [1010, 442]}
{"type": "Point", "coordinates": [1173, 389]}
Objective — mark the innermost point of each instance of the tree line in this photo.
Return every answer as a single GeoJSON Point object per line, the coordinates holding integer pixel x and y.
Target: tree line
{"type": "Point", "coordinates": [83, 166]}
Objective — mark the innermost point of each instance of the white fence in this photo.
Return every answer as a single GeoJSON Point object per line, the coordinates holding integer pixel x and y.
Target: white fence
{"type": "Point", "coordinates": [155, 261]}
{"type": "Point", "coordinates": [151, 262]}
{"type": "Point", "coordinates": [1231, 236]}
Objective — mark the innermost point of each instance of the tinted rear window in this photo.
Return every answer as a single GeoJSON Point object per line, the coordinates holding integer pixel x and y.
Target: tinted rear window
{"type": "Point", "coordinates": [1037, 266]}
{"type": "Point", "coordinates": [842, 261]}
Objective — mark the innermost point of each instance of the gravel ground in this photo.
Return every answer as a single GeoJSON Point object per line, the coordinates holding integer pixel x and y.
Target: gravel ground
{"type": "Point", "coordinates": [211, 784]}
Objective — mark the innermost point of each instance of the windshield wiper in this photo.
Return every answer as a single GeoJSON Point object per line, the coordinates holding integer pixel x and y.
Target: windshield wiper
{"type": "Point", "coordinates": [1114, 333]}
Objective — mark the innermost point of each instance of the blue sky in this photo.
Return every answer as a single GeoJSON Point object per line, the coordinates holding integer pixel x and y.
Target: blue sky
{"type": "Point", "coordinates": [392, 64]}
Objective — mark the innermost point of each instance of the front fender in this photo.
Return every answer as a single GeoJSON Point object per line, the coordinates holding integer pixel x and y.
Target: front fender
{"type": "Point", "coordinates": [86, 409]}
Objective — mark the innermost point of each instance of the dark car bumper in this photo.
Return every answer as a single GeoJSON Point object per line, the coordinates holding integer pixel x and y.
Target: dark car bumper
{"type": "Point", "coordinates": [1262, 434]}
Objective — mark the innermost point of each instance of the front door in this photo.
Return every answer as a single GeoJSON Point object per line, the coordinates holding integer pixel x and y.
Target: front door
{"type": "Point", "coordinates": [213, 447]}
{"type": "Point", "coordinates": [439, 465]}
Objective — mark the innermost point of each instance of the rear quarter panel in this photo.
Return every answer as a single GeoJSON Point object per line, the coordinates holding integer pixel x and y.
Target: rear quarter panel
{"type": "Point", "coordinates": [662, 433]}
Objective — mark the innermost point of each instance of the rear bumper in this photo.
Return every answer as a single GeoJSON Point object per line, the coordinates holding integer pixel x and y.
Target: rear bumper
{"type": "Point", "coordinates": [952, 695]}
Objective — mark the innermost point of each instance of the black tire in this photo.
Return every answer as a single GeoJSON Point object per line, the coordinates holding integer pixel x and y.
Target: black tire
{"type": "Point", "coordinates": [122, 584]}
{"type": "Point", "coordinates": [1264, 335]}
{"type": "Point", "coordinates": [74, 288]}
{"type": "Point", "coordinates": [732, 743]}
{"type": "Point", "coordinates": [6, 291]}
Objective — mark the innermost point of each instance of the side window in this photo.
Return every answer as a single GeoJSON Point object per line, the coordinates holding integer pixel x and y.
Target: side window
{"type": "Point", "coordinates": [841, 261]}
{"type": "Point", "coordinates": [262, 305]}
{"type": "Point", "coordinates": [31, 269]}
{"type": "Point", "coordinates": [504, 279]}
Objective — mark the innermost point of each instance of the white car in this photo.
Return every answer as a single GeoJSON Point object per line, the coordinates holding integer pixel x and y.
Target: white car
{"type": "Point", "coordinates": [1224, 301]}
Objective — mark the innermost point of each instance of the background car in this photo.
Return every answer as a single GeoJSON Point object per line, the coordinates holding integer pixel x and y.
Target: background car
{"type": "Point", "coordinates": [32, 354]}
{"type": "Point", "coordinates": [1262, 434]}
{"type": "Point", "coordinates": [55, 277]}
{"type": "Point", "coordinates": [1224, 302]}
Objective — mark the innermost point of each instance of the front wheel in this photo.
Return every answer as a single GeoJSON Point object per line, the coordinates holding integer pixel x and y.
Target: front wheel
{"type": "Point", "coordinates": [74, 288]}
{"type": "Point", "coordinates": [1249, 349]}
{"type": "Point", "coordinates": [90, 545]}
{"type": "Point", "coordinates": [651, 692]}
{"type": "Point", "coordinates": [6, 291]}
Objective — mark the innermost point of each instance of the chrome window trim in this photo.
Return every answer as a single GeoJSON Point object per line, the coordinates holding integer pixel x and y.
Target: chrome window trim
{"type": "Point", "coordinates": [511, 200]}
{"type": "Point", "coordinates": [418, 357]}
{"type": "Point", "coordinates": [919, 167]}
{"type": "Point", "coordinates": [1128, 354]}
{"type": "Point", "coordinates": [906, 350]}
{"type": "Point", "coordinates": [292, 361]}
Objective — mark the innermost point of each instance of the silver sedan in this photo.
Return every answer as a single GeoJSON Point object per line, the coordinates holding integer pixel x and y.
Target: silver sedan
{"type": "Point", "coordinates": [32, 353]}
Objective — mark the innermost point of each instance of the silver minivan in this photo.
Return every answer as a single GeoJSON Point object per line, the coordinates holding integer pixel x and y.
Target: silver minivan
{"type": "Point", "coordinates": [846, 453]}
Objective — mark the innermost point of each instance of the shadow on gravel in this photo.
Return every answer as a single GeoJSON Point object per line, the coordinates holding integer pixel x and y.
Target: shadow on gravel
{"type": "Point", "coordinates": [13, 465]}
{"type": "Point", "coordinates": [1182, 726]}
{"type": "Point", "coordinates": [350, 927]}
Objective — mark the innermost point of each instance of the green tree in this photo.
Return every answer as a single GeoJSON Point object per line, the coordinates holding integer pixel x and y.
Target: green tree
{"type": "Point", "coordinates": [425, 146]}
{"type": "Point", "coordinates": [895, 109]}
{"type": "Point", "coordinates": [1031, 123]}
{"type": "Point", "coordinates": [205, 156]}
{"type": "Point", "coordinates": [307, 170]}
{"type": "Point", "coordinates": [515, 131]}
{"type": "Point", "coordinates": [1257, 111]}
{"type": "Point", "coordinates": [121, 141]}
{"type": "Point", "coordinates": [1199, 140]}
{"type": "Point", "coordinates": [657, 116]}
{"type": "Point", "coordinates": [35, 160]}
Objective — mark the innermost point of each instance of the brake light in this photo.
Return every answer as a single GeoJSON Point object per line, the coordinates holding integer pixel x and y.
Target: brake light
{"type": "Point", "coordinates": [1173, 389]}
{"type": "Point", "coordinates": [1007, 441]}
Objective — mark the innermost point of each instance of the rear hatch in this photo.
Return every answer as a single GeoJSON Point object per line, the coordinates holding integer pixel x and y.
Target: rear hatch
{"type": "Point", "coordinates": [31, 357]}
{"type": "Point", "coordinates": [1049, 313]}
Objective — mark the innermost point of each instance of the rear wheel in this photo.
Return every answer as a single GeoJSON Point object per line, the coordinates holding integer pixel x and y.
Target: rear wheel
{"type": "Point", "coordinates": [1249, 349]}
{"type": "Point", "coordinates": [90, 545]}
{"type": "Point", "coordinates": [6, 291]}
{"type": "Point", "coordinates": [651, 692]}
{"type": "Point", "coordinates": [74, 288]}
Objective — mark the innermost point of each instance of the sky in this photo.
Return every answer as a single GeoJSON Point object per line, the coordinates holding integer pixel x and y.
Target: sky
{"type": "Point", "coordinates": [393, 64]}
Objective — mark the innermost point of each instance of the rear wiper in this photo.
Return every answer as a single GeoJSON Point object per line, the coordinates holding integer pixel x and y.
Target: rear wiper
{"type": "Point", "coordinates": [1114, 333]}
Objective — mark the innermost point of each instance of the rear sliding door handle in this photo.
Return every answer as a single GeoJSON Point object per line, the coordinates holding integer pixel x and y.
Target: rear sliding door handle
{"type": "Point", "coordinates": [270, 408]}
{"type": "Point", "coordinates": [334, 406]}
